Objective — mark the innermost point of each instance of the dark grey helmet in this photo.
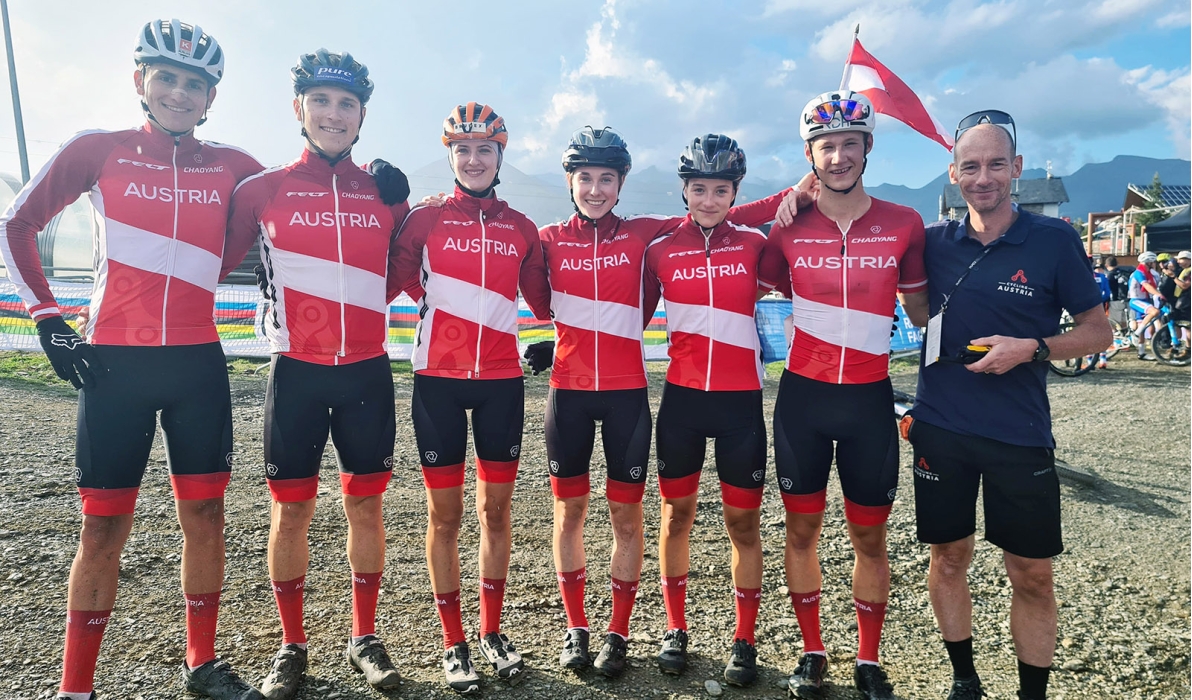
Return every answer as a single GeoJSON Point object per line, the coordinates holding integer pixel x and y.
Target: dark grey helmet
{"type": "Point", "coordinates": [713, 156]}
{"type": "Point", "coordinates": [332, 69]}
{"type": "Point", "coordinates": [597, 147]}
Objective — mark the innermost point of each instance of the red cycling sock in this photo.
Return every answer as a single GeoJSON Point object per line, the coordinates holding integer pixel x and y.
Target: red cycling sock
{"type": "Point", "coordinates": [492, 597]}
{"type": "Point", "coordinates": [202, 614]}
{"type": "Point", "coordinates": [84, 632]}
{"type": "Point", "coordinates": [870, 617]}
{"type": "Point", "coordinates": [365, 589]}
{"type": "Point", "coordinates": [571, 587]}
{"type": "Point", "coordinates": [447, 605]}
{"type": "Point", "coordinates": [674, 598]}
{"type": "Point", "coordinates": [748, 601]}
{"type": "Point", "coordinates": [289, 607]}
{"type": "Point", "coordinates": [624, 595]}
{"type": "Point", "coordinates": [807, 612]}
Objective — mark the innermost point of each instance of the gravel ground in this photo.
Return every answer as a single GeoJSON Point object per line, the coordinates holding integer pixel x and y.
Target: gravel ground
{"type": "Point", "coordinates": [1123, 582]}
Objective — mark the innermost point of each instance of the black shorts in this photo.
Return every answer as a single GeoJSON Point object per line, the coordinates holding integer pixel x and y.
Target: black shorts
{"type": "Point", "coordinates": [1020, 487]}
{"type": "Point", "coordinates": [117, 418]}
{"type": "Point", "coordinates": [305, 402]}
{"type": "Point", "coordinates": [687, 418]}
{"type": "Point", "coordinates": [815, 421]}
{"type": "Point", "coordinates": [624, 416]}
{"type": "Point", "coordinates": [439, 409]}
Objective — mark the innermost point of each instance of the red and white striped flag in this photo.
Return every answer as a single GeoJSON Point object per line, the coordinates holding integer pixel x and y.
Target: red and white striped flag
{"type": "Point", "coordinates": [890, 96]}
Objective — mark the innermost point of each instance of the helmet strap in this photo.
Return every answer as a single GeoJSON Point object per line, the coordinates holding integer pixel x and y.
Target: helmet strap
{"type": "Point", "coordinates": [850, 188]}
{"type": "Point", "coordinates": [487, 191]}
{"type": "Point", "coordinates": [149, 113]}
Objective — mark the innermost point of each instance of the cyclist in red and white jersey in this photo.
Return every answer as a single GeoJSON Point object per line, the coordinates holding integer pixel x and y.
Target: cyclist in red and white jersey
{"type": "Point", "coordinates": [160, 199]}
{"type": "Point", "coordinates": [706, 272]}
{"type": "Point", "coordinates": [595, 261]}
{"type": "Point", "coordinates": [325, 236]}
{"type": "Point", "coordinates": [846, 259]}
{"type": "Point", "coordinates": [464, 263]}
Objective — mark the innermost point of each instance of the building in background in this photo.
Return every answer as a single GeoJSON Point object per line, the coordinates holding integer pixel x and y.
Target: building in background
{"type": "Point", "coordinates": [1039, 196]}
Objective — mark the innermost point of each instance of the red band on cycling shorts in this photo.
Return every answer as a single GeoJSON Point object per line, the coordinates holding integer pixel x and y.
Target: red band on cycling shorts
{"type": "Point", "coordinates": [865, 516]}
{"type": "Point", "coordinates": [365, 484]}
{"type": "Point", "coordinates": [570, 486]}
{"type": "Point", "coordinates": [200, 487]}
{"type": "Point", "coordinates": [624, 492]}
{"type": "Point", "coordinates": [294, 490]}
{"type": "Point", "coordinates": [808, 503]}
{"type": "Point", "coordinates": [448, 477]}
{"type": "Point", "coordinates": [679, 488]}
{"type": "Point", "coordinates": [737, 497]}
{"type": "Point", "coordinates": [496, 472]}
{"type": "Point", "coordinates": [109, 501]}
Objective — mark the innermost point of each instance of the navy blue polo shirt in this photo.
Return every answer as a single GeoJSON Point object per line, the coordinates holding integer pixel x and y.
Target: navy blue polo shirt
{"type": "Point", "coordinates": [1019, 289]}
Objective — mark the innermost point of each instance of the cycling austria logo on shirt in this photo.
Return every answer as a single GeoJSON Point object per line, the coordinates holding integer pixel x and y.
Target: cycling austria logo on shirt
{"type": "Point", "coordinates": [1017, 285]}
{"type": "Point", "coordinates": [923, 470]}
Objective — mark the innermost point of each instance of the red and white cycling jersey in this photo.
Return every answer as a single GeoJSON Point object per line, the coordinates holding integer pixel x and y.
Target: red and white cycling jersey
{"type": "Point", "coordinates": [710, 286]}
{"type": "Point", "coordinates": [160, 210]}
{"type": "Point", "coordinates": [843, 284]}
{"type": "Point", "coordinates": [325, 241]}
{"type": "Point", "coordinates": [596, 293]}
{"type": "Point", "coordinates": [464, 262]}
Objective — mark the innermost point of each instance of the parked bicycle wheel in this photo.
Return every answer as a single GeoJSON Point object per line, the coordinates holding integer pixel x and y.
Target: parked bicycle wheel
{"type": "Point", "coordinates": [1077, 365]}
{"type": "Point", "coordinates": [1171, 352]}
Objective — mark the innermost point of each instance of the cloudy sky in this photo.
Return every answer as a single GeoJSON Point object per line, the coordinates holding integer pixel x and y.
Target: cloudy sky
{"type": "Point", "coordinates": [1086, 80]}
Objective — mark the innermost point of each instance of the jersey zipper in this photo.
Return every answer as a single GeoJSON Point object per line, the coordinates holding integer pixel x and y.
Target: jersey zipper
{"type": "Point", "coordinates": [596, 303]}
{"type": "Point", "coordinates": [483, 274]}
{"type": "Point", "coordinates": [711, 310]}
{"type": "Point", "coordinates": [844, 301]}
{"type": "Point", "coordinates": [165, 298]}
{"type": "Point", "coordinates": [339, 243]}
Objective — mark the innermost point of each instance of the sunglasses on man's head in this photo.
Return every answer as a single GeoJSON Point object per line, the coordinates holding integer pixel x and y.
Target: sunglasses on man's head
{"type": "Point", "coordinates": [988, 116]}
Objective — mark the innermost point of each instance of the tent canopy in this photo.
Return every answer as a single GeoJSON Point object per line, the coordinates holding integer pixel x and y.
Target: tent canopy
{"type": "Point", "coordinates": [1172, 234]}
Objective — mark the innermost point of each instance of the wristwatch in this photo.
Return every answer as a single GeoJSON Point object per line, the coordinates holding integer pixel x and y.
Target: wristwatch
{"type": "Point", "coordinates": [1042, 352]}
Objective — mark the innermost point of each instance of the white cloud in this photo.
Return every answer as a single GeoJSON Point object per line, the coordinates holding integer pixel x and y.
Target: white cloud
{"type": "Point", "coordinates": [780, 76]}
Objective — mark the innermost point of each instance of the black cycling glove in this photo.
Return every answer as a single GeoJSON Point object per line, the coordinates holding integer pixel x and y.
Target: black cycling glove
{"type": "Point", "coordinates": [540, 356]}
{"type": "Point", "coordinates": [391, 182]}
{"type": "Point", "coordinates": [72, 358]}
{"type": "Point", "coordinates": [262, 279]}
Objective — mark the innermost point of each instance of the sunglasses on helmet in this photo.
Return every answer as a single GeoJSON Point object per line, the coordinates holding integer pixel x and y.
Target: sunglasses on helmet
{"type": "Point", "coordinates": [849, 110]}
{"type": "Point", "coordinates": [988, 116]}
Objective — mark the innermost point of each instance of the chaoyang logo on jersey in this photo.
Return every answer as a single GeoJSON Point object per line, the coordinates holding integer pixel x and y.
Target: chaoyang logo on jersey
{"type": "Point", "coordinates": [704, 271]}
{"type": "Point", "coordinates": [327, 218]}
{"type": "Point", "coordinates": [307, 194]}
{"type": "Point", "coordinates": [356, 195]}
{"type": "Point", "coordinates": [621, 237]}
{"type": "Point", "coordinates": [598, 263]}
{"type": "Point", "coordinates": [169, 194]}
{"type": "Point", "coordinates": [876, 239]}
{"type": "Point", "coordinates": [472, 245]}
{"type": "Point", "coordinates": [139, 164]}
{"type": "Point", "coordinates": [204, 169]}
{"type": "Point", "coordinates": [852, 262]}
{"type": "Point", "coordinates": [498, 224]}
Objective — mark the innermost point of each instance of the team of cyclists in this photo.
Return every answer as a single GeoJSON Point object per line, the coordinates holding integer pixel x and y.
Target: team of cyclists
{"type": "Point", "coordinates": [338, 243]}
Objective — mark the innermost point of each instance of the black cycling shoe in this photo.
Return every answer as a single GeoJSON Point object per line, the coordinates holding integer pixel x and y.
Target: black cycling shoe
{"type": "Point", "coordinates": [967, 689]}
{"type": "Point", "coordinates": [871, 681]}
{"type": "Point", "coordinates": [742, 664]}
{"type": "Point", "coordinates": [807, 681]}
{"type": "Point", "coordinates": [368, 656]}
{"type": "Point", "coordinates": [575, 653]}
{"type": "Point", "coordinates": [216, 679]}
{"type": "Point", "coordinates": [283, 680]}
{"type": "Point", "coordinates": [610, 662]}
{"type": "Point", "coordinates": [672, 657]}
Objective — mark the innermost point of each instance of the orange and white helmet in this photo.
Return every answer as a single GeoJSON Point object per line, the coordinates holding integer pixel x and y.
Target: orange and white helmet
{"type": "Point", "coordinates": [474, 121]}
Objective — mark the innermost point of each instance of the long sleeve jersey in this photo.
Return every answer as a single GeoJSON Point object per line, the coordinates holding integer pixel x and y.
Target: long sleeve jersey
{"type": "Point", "coordinates": [464, 262]}
{"type": "Point", "coordinates": [326, 238]}
{"type": "Point", "coordinates": [160, 208]}
{"type": "Point", "coordinates": [596, 293]}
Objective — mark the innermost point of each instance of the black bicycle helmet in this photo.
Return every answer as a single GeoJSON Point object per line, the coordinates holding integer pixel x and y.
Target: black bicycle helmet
{"type": "Point", "coordinates": [332, 69]}
{"type": "Point", "coordinates": [712, 156]}
{"type": "Point", "coordinates": [602, 148]}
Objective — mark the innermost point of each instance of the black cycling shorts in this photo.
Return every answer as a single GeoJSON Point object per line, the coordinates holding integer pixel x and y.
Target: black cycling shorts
{"type": "Point", "coordinates": [117, 418]}
{"type": "Point", "coordinates": [439, 409]}
{"type": "Point", "coordinates": [624, 417]}
{"type": "Point", "coordinates": [305, 402]}
{"type": "Point", "coordinates": [1020, 488]}
{"type": "Point", "coordinates": [687, 418]}
{"type": "Point", "coordinates": [815, 422]}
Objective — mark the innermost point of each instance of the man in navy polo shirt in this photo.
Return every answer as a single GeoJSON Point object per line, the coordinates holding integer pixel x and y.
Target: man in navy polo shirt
{"type": "Point", "coordinates": [999, 279]}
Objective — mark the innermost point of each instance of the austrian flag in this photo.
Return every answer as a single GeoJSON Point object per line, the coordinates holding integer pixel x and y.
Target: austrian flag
{"type": "Point", "coordinates": [890, 96]}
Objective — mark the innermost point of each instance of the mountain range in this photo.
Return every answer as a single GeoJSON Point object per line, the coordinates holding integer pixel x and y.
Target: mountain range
{"type": "Point", "coordinates": [1094, 187]}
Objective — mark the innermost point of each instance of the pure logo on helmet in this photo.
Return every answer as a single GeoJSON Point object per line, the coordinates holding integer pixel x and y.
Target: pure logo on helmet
{"type": "Point", "coordinates": [340, 75]}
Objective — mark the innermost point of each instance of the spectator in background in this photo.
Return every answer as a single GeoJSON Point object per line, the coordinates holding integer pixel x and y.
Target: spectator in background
{"type": "Point", "coordinates": [1183, 300]}
{"type": "Point", "coordinates": [1144, 291]}
{"type": "Point", "coordinates": [1118, 277]}
{"type": "Point", "coordinates": [1102, 278]}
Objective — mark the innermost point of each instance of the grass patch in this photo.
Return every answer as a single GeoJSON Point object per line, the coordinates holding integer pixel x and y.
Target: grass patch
{"type": "Point", "coordinates": [32, 369]}
{"type": "Point", "coordinates": [248, 366]}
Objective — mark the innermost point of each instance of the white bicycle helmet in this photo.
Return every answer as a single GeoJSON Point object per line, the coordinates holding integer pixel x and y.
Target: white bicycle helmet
{"type": "Point", "coordinates": [183, 45]}
{"type": "Point", "coordinates": [837, 112]}
{"type": "Point", "coordinates": [1148, 257]}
